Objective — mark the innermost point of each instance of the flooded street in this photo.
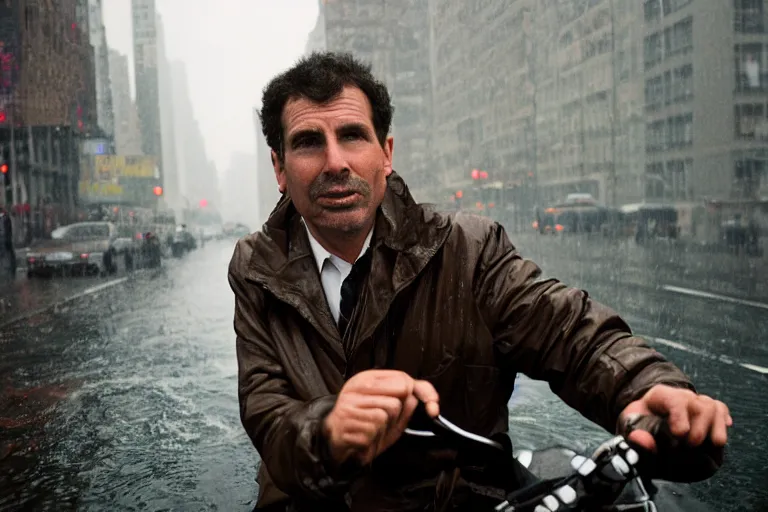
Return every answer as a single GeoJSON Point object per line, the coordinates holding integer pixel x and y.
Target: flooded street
{"type": "Point", "coordinates": [125, 398]}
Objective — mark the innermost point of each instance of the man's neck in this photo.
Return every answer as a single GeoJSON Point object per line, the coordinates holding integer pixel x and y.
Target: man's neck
{"type": "Point", "coordinates": [344, 245]}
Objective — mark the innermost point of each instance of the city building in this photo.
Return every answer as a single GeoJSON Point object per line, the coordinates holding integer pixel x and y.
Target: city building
{"type": "Point", "coordinates": [268, 194]}
{"type": "Point", "coordinates": [127, 132]}
{"type": "Point", "coordinates": [705, 83]}
{"type": "Point", "coordinates": [626, 101]}
{"type": "Point", "coordinates": [171, 197]}
{"type": "Point", "coordinates": [481, 60]}
{"type": "Point", "coordinates": [47, 108]}
{"type": "Point", "coordinates": [393, 37]}
{"type": "Point", "coordinates": [197, 176]}
{"type": "Point", "coordinates": [145, 61]}
{"type": "Point", "coordinates": [316, 39]}
{"type": "Point", "coordinates": [98, 39]}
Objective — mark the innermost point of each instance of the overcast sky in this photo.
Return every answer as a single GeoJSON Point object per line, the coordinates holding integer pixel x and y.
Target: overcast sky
{"type": "Point", "coordinates": [231, 48]}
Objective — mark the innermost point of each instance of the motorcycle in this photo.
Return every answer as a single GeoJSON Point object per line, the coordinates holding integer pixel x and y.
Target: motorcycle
{"type": "Point", "coordinates": [614, 478]}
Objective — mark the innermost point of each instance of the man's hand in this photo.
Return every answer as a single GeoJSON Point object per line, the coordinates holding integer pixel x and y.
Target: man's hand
{"type": "Point", "coordinates": [690, 416]}
{"type": "Point", "coordinates": [371, 413]}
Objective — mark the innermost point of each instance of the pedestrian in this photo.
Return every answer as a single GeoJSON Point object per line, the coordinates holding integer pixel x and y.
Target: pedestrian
{"type": "Point", "coordinates": [354, 302]}
{"type": "Point", "coordinates": [6, 241]}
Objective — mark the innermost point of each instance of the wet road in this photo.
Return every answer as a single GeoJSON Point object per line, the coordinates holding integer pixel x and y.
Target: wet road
{"type": "Point", "coordinates": [125, 398]}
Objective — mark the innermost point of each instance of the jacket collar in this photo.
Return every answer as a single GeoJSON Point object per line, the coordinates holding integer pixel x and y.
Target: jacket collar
{"type": "Point", "coordinates": [405, 238]}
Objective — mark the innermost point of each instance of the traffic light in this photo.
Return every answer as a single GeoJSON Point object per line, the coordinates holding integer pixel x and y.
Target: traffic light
{"type": "Point", "coordinates": [158, 190]}
{"type": "Point", "coordinates": [477, 174]}
{"type": "Point", "coordinates": [203, 203]}
{"type": "Point", "coordinates": [5, 170]}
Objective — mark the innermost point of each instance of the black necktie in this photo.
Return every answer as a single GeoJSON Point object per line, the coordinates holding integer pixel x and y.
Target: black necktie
{"type": "Point", "coordinates": [350, 290]}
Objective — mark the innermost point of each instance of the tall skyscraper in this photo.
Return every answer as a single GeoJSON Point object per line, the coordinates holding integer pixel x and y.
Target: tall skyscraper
{"type": "Point", "coordinates": [145, 57]}
{"type": "Point", "coordinates": [98, 39]}
{"type": "Point", "coordinates": [316, 39]}
{"type": "Point", "coordinates": [197, 176]}
{"type": "Point", "coordinates": [127, 132]}
{"type": "Point", "coordinates": [168, 131]}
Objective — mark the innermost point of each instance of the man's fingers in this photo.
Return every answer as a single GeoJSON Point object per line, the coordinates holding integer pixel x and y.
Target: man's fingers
{"type": "Point", "coordinates": [719, 431]}
{"type": "Point", "coordinates": [374, 415]}
{"type": "Point", "coordinates": [426, 392]}
{"type": "Point", "coordinates": [359, 434]}
{"type": "Point", "coordinates": [643, 439]}
{"type": "Point", "coordinates": [391, 405]}
{"type": "Point", "coordinates": [702, 414]}
{"type": "Point", "coordinates": [672, 403]}
{"type": "Point", "coordinates": [381, 382]}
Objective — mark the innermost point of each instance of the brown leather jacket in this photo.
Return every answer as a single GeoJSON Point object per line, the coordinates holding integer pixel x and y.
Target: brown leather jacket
{"type": "Point", "coordinates": [449, 300]}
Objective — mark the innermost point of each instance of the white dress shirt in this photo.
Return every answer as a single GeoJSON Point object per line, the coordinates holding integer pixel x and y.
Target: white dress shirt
{"type": "Point", "coordinates": [333, 271]}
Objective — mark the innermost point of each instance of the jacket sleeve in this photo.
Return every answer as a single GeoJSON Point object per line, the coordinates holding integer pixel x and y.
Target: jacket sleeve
{"type": "Point", "coordinates": [286, 431]}
{"type": "Point", "coordinates": [551, 332]}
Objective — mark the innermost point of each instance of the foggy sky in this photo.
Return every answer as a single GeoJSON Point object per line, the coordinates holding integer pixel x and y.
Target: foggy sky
{"type": "Point", "coordinates": [231, 49]}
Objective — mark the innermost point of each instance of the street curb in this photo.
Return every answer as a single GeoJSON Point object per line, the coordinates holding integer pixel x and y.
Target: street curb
{"type": "Point", "coordinates": [85, 293]}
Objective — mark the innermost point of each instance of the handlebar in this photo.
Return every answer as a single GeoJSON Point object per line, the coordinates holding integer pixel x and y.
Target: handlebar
{"type": "Point", "coordinates": [596, 481]}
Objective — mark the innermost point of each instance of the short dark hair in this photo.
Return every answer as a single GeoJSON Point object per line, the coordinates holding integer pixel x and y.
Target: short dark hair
{"type": "Point", "coordinates": [321, 77]}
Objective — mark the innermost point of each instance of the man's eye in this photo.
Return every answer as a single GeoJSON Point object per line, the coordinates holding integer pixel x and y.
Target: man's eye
{"type": "Point", "coordinates": [351, 136]}
{"type": "Point", "coordinates": [306, 142]}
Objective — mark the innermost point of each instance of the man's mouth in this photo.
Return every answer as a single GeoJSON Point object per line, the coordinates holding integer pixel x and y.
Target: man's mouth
{"type": "Point", "coordinates": [339, 198]}
{"type": "Point", "coordinates": [337, 193]}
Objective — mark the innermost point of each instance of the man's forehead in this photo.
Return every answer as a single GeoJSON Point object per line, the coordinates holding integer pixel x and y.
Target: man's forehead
{"type": "Point", "coordinates": [351, 106]}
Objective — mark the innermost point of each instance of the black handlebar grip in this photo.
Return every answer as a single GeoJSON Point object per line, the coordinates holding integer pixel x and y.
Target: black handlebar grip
{"type": "Point", "coordinates": [675, 460]}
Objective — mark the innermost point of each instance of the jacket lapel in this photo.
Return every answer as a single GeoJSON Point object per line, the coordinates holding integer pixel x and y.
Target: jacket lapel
{"type": "Point", "coordinates": [406, 239]}
{"type": "Point", "coordinates": [286, 269]}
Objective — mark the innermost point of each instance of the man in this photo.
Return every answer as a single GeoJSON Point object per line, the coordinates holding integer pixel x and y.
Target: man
{"type": "Point", "coordinates": [6, 241]}
{"type": "Point", "coordinates": [354, 302]}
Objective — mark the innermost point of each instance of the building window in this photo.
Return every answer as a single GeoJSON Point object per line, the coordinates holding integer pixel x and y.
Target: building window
{"type": "Point", "coordinates": [674, 40]}
{"type": "Point", "coordinates": [749, 175]}
{"type": "Point", "coordinates": [654, 93]}
{"type": "Point", "coordinates": [679, 131]}
{"type": "Point", "coordinates": [654, 8]}
{"type": "Point", "coordinates": [678, 85]}
{"type": "Point", "coordinates": [750, 120]}
{"type": "Point", "coordinates": [749, 16]}
{"type": "Point", "coordinates": [750, 67]}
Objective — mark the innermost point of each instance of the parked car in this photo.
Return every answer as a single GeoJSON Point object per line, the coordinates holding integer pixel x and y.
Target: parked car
{"type": "Point", "coordinates": [81, 248]}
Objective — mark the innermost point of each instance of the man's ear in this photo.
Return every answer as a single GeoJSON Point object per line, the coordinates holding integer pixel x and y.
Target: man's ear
{"type": "Point", "coordinates": [389, 147]}
{"type": "Point", "coordinates": [277, 165]}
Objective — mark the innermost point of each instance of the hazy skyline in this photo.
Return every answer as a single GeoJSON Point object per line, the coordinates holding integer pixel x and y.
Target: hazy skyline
{"type": "Point", "coordinates": [231, 48]}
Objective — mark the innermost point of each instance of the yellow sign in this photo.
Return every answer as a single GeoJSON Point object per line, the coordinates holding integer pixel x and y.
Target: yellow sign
{"type": "Point", "coordinates": [89, 189]}
{"type": "Point", "coordinates": [111, 166]}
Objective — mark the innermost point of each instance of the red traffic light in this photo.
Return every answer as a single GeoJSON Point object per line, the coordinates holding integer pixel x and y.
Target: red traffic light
{"type": "Point", "coordinates": [475, 174]}
{"type": "Point", "coordinates": [483, 175]}
{"type": "Point", "coordinates": [459, 194]}
{"type": "Point", "coordinates": [203, 203]}
{"type": "Point", "coordinates": [4, 168]}
{"type": "Point", "coordinates": [158, 190]}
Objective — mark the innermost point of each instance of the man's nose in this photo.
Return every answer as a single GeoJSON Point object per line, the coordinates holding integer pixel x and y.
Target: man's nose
{"type": "Point", "coordinates": [335, 160]}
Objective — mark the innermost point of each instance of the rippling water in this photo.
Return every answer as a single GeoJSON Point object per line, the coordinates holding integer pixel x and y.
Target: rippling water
{"type": "Point", "coordinates": [137, 407]}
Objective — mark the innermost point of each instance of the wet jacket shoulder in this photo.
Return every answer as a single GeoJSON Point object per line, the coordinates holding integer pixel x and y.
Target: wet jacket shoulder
{"type": "Point", "coordinates": [552, 332]}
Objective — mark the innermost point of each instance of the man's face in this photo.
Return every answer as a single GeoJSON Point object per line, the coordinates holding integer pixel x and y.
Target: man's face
{"type": "Point", "coordinates": [334, 168]}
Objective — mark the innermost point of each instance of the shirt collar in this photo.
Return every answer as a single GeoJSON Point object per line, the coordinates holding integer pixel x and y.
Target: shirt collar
{"type": "Point", "coordinates": [321, 254]}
